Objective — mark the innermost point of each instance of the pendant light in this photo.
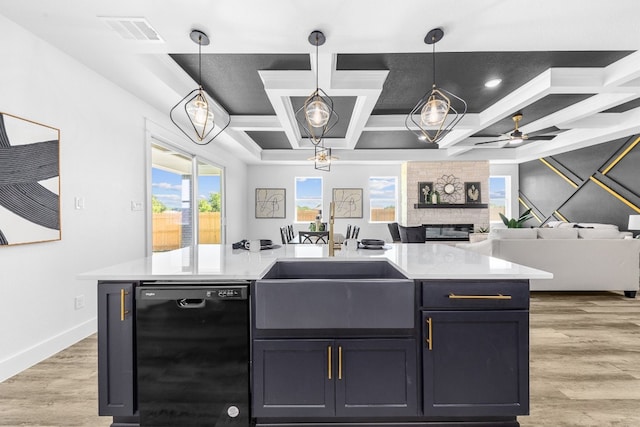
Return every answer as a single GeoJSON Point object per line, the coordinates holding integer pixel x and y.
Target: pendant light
{"type": "Point", "coordinates": [317, 117]}
{"type": "Point", "coordinates": [197, 105]}
{"type": "Point", "coordinates": [322, 158]}
{"type": "Point", "coordinates": [435, 113]}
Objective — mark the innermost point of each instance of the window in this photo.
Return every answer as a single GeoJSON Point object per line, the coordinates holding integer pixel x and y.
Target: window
{"type": "Point", "coordinates": [383, 198]}
{"type": "Point", "coordinates": [184, 211]}
{"type": "Point", "coordinates": [499, 198]}
{"type": "Point", "coordinates": [308, 198]}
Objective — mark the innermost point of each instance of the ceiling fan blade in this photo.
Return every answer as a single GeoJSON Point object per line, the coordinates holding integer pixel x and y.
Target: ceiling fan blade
{"type": "Point", "coordinates": [490, 142]}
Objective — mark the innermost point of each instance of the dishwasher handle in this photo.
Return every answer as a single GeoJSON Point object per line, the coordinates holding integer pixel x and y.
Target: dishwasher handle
{"type": "Point", "coordinates": [191, 303]}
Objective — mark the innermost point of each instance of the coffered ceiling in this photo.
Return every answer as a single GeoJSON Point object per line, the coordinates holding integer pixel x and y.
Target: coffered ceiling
{"type": "Point", "coordinates": [571, 68]}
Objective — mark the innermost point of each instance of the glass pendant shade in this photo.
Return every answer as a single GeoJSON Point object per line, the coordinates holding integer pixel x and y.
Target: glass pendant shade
{"type": "Point", "coordinates": [434, 112]}
{"type": "Point", "coordinates": [198, 111]}
{"type": "Point", "coordinates": [317, 112]}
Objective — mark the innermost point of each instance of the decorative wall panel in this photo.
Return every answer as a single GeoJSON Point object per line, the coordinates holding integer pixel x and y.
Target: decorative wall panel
{"type": "Point", "coordinates": [595, 184]}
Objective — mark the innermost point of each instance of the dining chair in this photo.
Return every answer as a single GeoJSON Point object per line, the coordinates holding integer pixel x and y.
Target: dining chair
{"type": "Point", "coordinates": [412, 234]}
{"type": "Point", "coordinates": [395, 232]}
{"type": "Point", "coordinates": [283, 235]}
{"type": "Point", "coordinates": [348, 234]}
{"type": "Point", "coordinates": [290, 234]}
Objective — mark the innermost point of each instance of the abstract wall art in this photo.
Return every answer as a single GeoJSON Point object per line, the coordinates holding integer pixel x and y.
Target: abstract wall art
{"type": "Point", "coordinates": [348, 202]}
{"type": "Point", "coordinates": [29, 181]}
{"type": "Point", "coordinates": [270, 203]}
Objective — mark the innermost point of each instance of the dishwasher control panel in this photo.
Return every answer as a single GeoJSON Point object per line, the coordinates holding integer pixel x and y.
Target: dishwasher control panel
{"type": "Point", "coordinates": [227, 293]}
{"type": "Point", "coordinates": [209, 291]}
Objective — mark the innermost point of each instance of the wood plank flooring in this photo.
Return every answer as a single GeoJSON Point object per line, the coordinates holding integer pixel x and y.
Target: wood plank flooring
{"type": "Point", "coordinates": [585, 370]}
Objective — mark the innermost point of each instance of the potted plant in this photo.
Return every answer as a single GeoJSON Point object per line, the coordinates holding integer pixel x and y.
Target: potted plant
{"type": "Point", "coordinates": [479, 234]}
{"type": "Point", "coordinates": [517, 223]}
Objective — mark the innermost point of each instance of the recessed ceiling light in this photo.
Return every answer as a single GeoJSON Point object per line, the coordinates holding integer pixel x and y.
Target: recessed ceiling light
{"type": "Point", "coordinates": [493, 83]}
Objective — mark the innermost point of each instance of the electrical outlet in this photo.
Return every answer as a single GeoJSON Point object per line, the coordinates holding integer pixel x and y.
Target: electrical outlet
{"type": "Point", "coordinates": [79, 302]}
{"type": "Point", "coordinates": [136, 206]}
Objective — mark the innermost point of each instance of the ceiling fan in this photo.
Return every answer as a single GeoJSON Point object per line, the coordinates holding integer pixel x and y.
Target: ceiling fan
{"type": "Point", "coordinates": [517, 137]}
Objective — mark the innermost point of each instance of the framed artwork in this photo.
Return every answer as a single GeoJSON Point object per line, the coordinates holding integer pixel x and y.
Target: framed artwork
{"type": "Point", "coordinates": [270, 203]}
{"type": "Point", "coordinates": [348, 202]}
{"type": "Point", "coordinates": [424, 188]}
{"type": "Point", "coordinates": [29, 181]}
{"type": "Point", "coordinates": [472, 192]}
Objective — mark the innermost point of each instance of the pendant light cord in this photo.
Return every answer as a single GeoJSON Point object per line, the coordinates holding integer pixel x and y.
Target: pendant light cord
{"type": "Point", "coordinates": [433, 39]}
{"type": "Point", "coordinates": [200, 60]}
{"type": "Point", "coordinates": [317, 64]}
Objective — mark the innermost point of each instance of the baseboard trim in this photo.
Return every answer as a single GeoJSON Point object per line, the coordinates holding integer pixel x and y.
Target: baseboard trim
{"type": "Point", "coordinates": [37, 353]}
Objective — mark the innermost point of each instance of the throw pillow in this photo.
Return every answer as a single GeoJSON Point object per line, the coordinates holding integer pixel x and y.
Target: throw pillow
{"type": "Point", "coordinates": [599, 233]}
{"type": "Point", "coordinates": [515, 233]}
{"type": "Point", "coordinates": [557, 233]}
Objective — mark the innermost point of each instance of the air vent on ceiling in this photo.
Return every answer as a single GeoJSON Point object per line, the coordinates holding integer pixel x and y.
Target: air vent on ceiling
{"type": "Point", "coordinates": [137, 29]}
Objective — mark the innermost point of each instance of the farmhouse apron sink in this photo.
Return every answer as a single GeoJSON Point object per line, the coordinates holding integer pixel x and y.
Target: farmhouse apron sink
{"type": "Point", "coordinates": [302, 294]}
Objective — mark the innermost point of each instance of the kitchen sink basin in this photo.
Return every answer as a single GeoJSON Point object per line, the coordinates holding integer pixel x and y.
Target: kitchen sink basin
{"type": "Point", "coordinates": [301, 294]}
{"type": "Point", "coordinates": [302, 269]}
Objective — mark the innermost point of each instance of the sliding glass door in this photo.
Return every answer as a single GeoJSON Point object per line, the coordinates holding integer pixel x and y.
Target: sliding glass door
{"type": "Point", "coordinates": [186, 211]}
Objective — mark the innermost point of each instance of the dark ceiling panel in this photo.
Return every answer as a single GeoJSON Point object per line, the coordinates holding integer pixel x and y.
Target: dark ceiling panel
{"type": "Point", "coordinates": [268, 140]}
{"type": "Point", "coordinates": [463, 73]}
{"type": "Point", "coordinates": [233, 80]}
{"type": "Point", "coordinates": [532, 112]}
{"type": "Point", "coordinates": [343, 106]}
{"type": "Point", "coordinates": [391, 140]}
{"type": "Point", "coordinates": [624, 107]}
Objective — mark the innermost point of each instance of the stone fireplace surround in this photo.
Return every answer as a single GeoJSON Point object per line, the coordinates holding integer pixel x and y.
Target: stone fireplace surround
{"type": "Point", "coordinates": [415, 172]}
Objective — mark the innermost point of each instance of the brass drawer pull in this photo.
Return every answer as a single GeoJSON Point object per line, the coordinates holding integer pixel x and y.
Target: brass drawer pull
{"type": "Point", "coordinates": [429, 339]}
{"type": "Point", "coordinates": [499, 296]}
{"type": "Point", "coordinates": [329, 368]}
{"type": "Point", "coordinates": [340, 362]}
{"type": "Point", "coordinates": [123, 312]}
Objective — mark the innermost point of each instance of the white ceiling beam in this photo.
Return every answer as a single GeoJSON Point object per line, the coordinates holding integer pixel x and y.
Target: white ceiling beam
{"type": "Point", "coordinates": [255, 123]}
{"type": "Point", "coordinates": [595, 121]}
{"type": "Point", "coordinates": [579, 110]}
{"type": "Point", "coordinates": [623, 71]}
{"type": "Point", "coordinates": [574, 139]}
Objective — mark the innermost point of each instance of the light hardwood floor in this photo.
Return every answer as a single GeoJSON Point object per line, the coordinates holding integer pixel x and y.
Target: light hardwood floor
{"type": "Point", "coordinates": [585, 370]}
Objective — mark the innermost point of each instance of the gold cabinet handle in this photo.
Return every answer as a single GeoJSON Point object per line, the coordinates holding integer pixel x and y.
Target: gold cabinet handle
{"type": "Point", "coordinates": [329, 369]}
{"type": "Point", "coordinates": [429, 339]}
{"type": "Point", "coordinates": [123, 312]}
{"type": "Point", "coordinates": [499, 296]}
{"type": "Point", "coordinates": [340, 362]}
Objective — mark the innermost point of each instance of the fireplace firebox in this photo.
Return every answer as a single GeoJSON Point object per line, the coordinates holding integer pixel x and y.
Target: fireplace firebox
{"type": "Point", "coordinates": [448, 232]}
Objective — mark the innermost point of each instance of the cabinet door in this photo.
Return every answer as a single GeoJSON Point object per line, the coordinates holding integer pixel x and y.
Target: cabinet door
{"type": "Point", "coordinates": [116, 368]}
{"type": "Point", "coordinates": [478, 363]}
{"type": "Point", "coordinates": [293, 378]}
{"type": "Point", "coordinates": [376, 377]}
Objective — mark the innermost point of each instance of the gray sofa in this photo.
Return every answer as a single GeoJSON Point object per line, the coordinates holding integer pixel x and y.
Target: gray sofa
{"type": "Point", "coordinates": [581, 259]}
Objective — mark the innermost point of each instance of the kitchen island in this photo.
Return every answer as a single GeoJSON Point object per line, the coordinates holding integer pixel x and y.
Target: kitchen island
{"type": "Point", "coordinates": [415, 335]}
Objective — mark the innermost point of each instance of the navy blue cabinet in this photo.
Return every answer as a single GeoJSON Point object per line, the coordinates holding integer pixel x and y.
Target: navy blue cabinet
{"type": "Point", "coordinates": [475, 363]}
{"type": "Point", "coordinates": [300, 378]}
{"type": "Point", "coordinates": [475, 349]}
{"type": "Point", "coordinates": [116, 360]}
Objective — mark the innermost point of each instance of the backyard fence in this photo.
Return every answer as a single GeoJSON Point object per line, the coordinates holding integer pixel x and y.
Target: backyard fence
{"type": "Point", "coordinates": [167, 229]}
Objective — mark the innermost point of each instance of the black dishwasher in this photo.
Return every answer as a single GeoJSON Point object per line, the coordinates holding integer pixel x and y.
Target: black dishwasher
{"type": "Point", "coordinates": [193, 354]}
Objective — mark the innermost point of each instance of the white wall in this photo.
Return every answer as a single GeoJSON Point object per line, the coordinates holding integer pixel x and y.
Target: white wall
{"type": "Point", "coordinates": [341, 176]}
{"type": "Point", "coordinates": [510, 170]}
{"type": "Point", "coordinates": [102, 153]}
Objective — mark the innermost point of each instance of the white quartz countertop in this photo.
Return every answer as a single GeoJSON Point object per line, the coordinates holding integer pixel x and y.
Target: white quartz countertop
{"type": "Point", "coordinates": [221, 262]}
